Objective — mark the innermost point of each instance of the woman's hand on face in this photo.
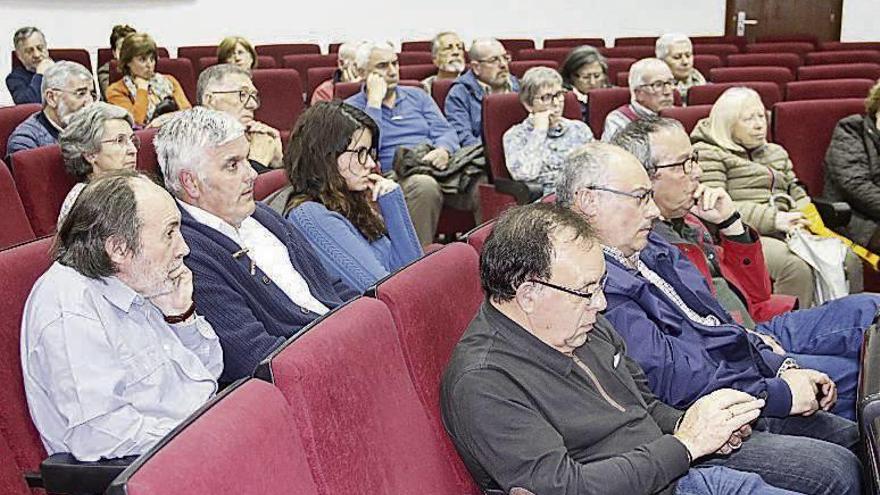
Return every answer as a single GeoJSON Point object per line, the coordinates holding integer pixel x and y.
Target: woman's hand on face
{"type": "Point", "coordinates": [380, 186]}
{"type": "Point", "coordinates": [787, 221]}
{"type": "Point", "coordinates": [541, 120]}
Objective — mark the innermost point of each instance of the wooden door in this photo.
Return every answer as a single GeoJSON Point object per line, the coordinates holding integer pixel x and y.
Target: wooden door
{"type": "Point", "coordinates": [786, 17]}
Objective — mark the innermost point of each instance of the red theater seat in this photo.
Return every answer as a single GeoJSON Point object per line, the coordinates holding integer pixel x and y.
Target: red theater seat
{"type": "Point", "coordinates": [281, 94]}
{"type": "Point", "coordinates": [636, 41]}
{"type": "Point", "coordinates": [827, 89]}
{"type": "Point", "coordinates": [778, 75]}
{"type": "Point", "coordinates": [786, 38]}
{"type": "Point", "coordinates": [263, 62]}
{"type": "Point", "coordinates": [14, 225]}
{"type": "Point", "coordinates": [196, 53]}
{"type": "Point", "coordinates": [799, 47]}
{"type": "Point", "coordinates": [182, 70]}
{"type": "Point", "coordinates": [720, 50]}
{"type": "Point", "coordinates": [839, 71]}
{"type": "Point", "coordinates": [849, 45]}
{"type": "Point", "coordinates": [618, 65]}
{"type": "Point", "coordinates": [415, 46]}
{"type": "Point", "coordinates": [706, 94]}
{"type": "Point", "coordinates": [477, 237]}
{"type": "Point", "coordinates": [302, 64]}
{"type": "Point", "coordinates": [556, 54]}
{"type": "Point", "coordinates": [11, 480]}
{"type": "Point", "coordinates": [519, 68]}
{"type": "Point", "coordinates": [705, 63]}
{"type": "Point", "coordinates": [243, 442]}
{"type": "Point", "coordinates": [439, 89]}
{"type": "Point", "coordinates": [688, 116]}
{"type": "Point", "coordinates": [804, 129]}
{"type": "Point", "coordinates": [42, 184]}
{"type": "Point", "coordinates": [573, 42]}
{"type": "Point", "coordinates": [430, 319]}
{"type": "Point", "coordinates": [602, 102]}
{"type": "Point", "coordinates": [844, 57]}
{"type": "Point", "coordinates": [146, 159]}
{"type": "Point", "coordinates": [19, 269]}
{"type": "Point", "coordinates": [269, 182]}
{"type": "Point", "coordinates": [636, 52]}
{"type": "Point", "coordinates": [739, 41]}
{"type": "Point", "coordinates": [414, 58]}
{"type": "Point", "coordinates": [789, 60]}
{"type": "Point", "coordinates": [355, 406]}
{"type": "Point", "coordinates": [78, 55]}
{"type": "Point", "coordinates": [417, 72]}
{"type": "Point", "coordinates": [10, 118]}
{"type": "Point", "coordinates": [279, 51]}
{"type": "Point", "coordinates": [316, 76]}
{"type": "Point", "coordinates": [514, 45]}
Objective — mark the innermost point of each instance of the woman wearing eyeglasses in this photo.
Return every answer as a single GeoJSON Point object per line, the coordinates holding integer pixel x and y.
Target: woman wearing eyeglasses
{"type": "Point", "coordinates": [735, 155]}
{"type": "Point", "coordinates": [535, 149]}
{"type": "Point", "coordinates": [355, 219]}
{"type": "Point", "coordinates": [98, 140]}
{"type": "Point", "coordinates": [583, 70]}
{"type": "Point", "coordinates": [150, 97]}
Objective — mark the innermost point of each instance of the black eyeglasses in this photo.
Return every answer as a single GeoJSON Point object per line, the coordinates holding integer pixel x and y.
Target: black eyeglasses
{"type": "Point", "coordinates": [687, 165]}
{"type": "Point", "coordinates": [496, 60]}
{"type": "Point", "coordinates": [658, 86]}
{"type": "Point", "coordinates": [362, 154]}
{"type": "Point", "coordinates": [591, 296]}
{"type": "Point", "coordinates": [643, 197]}
{"type": "Point", "coordinates": [123, 140]}
{"type": "Point", "coordinates": [551, 97]}
{"type": "Point", "coordinates": [243, 95]}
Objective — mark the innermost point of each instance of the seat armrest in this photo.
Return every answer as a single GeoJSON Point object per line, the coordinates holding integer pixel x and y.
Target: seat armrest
{"type": "Point", "coordinates": [524, 192]}
{"type": "Point", "coordinates": [833, 213]}
{"type": "Point", "coordinates": [63, 474]}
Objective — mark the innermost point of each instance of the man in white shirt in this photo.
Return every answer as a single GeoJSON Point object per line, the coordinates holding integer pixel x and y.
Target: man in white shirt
{"type": "Point", "coordinates": [113, 354]}
{"type": "Point", "coordinates": [257, 279]}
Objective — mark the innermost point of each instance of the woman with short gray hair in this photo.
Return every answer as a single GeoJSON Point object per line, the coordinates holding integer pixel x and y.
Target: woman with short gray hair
{"type": "Point", "coordinates": [98, 140]}
{"type": "Point", "coordinates": [583, 70]}
{"type": "Point", "coordinates": [535, 149]}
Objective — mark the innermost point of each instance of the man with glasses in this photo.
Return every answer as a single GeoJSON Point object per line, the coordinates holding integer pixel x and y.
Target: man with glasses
{"type": "Point", "coordinates": [689, 345]}
{"type": "Point", "coordinates": [541, 395]}
{"type": "Point", "coordinates": [66, 87]}
{"type": "Point", "coordinates": [24, 83]}
{"type": "Point", "coordinates": [228, 88]}
{"type": "Point", "coordinates": [489, 73]}
{"type": "Point", "coordinates": [447, 54]}
{"type": "Point", "coordinates": [651, 89]}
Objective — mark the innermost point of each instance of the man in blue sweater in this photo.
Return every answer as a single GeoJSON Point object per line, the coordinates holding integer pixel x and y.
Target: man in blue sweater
{"type": "Point", "coordinates": [408, 117]}
{"type": "Point", "coordinates": [489, 73]}
{"type": "Point", "coordinates": [257, 280]}
{"type": "Point", "coordinates": [30, 49]}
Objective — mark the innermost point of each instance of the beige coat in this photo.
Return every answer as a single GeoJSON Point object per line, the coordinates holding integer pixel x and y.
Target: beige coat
{"type": "Point", "coordinates": [749, 176]}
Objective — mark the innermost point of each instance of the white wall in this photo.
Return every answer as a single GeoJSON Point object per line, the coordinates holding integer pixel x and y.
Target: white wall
{"type": "Point", "coordinates": [859, 20]}
{"type": "Point", "coordinates": [81, 23]}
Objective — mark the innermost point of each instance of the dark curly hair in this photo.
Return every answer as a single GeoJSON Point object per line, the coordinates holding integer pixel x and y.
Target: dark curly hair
{"type": "Point", "coordinates": [321, 134]}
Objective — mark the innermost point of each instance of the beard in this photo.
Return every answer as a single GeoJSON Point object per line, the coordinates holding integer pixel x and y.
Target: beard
{"type": "Point", "coordinates": [456, 66]}
{"type": "Point", "coordinates": [155, 278]}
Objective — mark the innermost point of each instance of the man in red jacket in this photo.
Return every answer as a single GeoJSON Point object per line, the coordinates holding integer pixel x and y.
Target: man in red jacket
{"type": "Point", "coordinates": [703, 221]}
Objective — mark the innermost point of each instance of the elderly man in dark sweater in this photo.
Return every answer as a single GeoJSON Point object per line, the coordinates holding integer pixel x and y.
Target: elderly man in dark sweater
{"type": "Point", "coordinates": [24, 81]}
{"type": "Point", "coordinates": [540, 395]}
{"type": "Point", "coordinates": [256, 280]}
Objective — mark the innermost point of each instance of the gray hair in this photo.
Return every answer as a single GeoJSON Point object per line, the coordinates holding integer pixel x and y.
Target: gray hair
{"type": "Point", "coordinates": [348, 50]}
{"type": "Point", "coordinates": [636, 138]}
{"type": "Point", "coordinates": [83, 136]}
{"type": "Point", "coordinates": [435, 42]}
{"type": "Point", "coordinates": [24, 33]}
{"type": "Point", "coordinates": [638, 70]}
{"type": "Point", "coordinates": [180, 143]}
{"type": "Point", "coordinates": [577, 58]}
{"type": "Point", "coordinates": [479, 45]}
{"type": "Point", "coordinates": [214, 75]}
{"type": "Point", "coordinates": [106, 208]}
{"type": "Point", "coordinates": [362, 55]}
{"type": "Point", "coordinates": [585, 165]}
{"type": "Point", "coordinates": [534, 79]}
{"type": "Point", "coordinates": [60, 73]}
{"type": "Point", "coordinates": [665, 42]}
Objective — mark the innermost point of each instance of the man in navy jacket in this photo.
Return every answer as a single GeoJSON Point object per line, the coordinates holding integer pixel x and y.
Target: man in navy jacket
{"type": "Point", "coordinates": [256, 279]}
{"type": "Point", "coordinates": [24, 82]}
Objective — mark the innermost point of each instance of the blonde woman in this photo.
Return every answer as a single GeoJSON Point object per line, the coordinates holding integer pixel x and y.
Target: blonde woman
{"type": "Point", "coordinates": [238, 51]}
{"type": "Point", "coordinates": [735, 155]}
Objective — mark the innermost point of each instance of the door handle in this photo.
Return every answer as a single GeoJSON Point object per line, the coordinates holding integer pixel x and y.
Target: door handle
{"type": "Point", "coordinates": [742, 22]}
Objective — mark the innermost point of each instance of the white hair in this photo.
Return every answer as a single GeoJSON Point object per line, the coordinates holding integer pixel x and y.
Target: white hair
{"type": "Point", "coordinates": [665, 42]}
{"type": "Point", "coordinates": [365, 49]}
{"type": "Point", "coordinates": [60, 73]}
{"type": "Point", "coordinates": [435, 42]}
{"type": "Point", "coordinates": [638, 70]}
{"type": "Point", "coordinates": [480, 45]}
{"type": "Point", "coordinates": [348, 50]}
{"type": "Point", "coordinates": [180, 143]}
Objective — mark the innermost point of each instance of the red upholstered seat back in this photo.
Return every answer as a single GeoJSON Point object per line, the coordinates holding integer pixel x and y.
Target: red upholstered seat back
{"type": "Point", "coordinates": [196, 53]}
{"type": "Point", "coordinates": [827, 89]}
{"type": "Point", "coordinates": [269, 182]}
{"type": "Point", "coordinates": [244, 442]}
{"type": "Point", "coordinates": [844, 57]}
{"type": "Point", "coordinates": [708, 93]}
{"type": "Point", "coordinates": [635, 51]}
{"type": "Point", "coordinates": [573, 42]}
{"type": "Point", "coordinates": [514, 45]}
{"type": "Point", "coordinates": [357, 408]}
{"type": "Point", "coordinates": [789, 60]}
{"type": "Point", "coordinates": [146, 160]}
{"type": "Point", "coordinates": [281, 93]}
{"type": "Point", "coordinates": [804, 129]}
{"type": "Point", "coordinates": [414, 58]}
{"type": "Point", "coordinates": [556, 54]}
{"type": "Point", "coordinates": [78, 55]}
{"type": "Point", "coordinates": [849, 45]}
{"type": "Point", "coordinates": [316, 76]}
{"type": "Point", "coordinates": [42, 183]}
{"type": "Point", "coordinates": [720, 50]}
{"type": "Point", "coordinates": [263, 62]}
{"type": "Point", "coordinates": [477, 237]}
{"type": "Point", "coordinates": [19, 269]}
{"type": "Point", "coordinates": [439, 89]}
{"type": "Point", "coordinates": [778, 75]}
{"type": "Point", "coordinates": [688, 116]}
{"type": "Point", "coordinates": [705, 63]}
{"type": "Point", "coordinates": [415, 46]}
{"type": "Point", "coordinates": [182, 70]}
{"type": "Point", "coordinates": [520, 67]}
{"type": "Point", "coordinates": [279, 51]}
{"type": "Point", "coordinates": [635, 41]}
{"type": "Point", "coordinates": [812, 39]}
{"type": "Point", "coordinates": [839, 71]}
{"type": "Point", "coordinates": [618, 65]}
{"type": "Point", "coordinates": [11, 480]}
{"type": "Point", "coordinates": [302, 64]}
{"type": "Point", "coordinates": [799, 47]}
{"type": "Point", "coordinates": [10, 118]}
{"type": "Point", "coordinates": [602, 102]}
{"type": "Point", "coordinates": [417, 71]}
{"type": "Point", "coordinates": [14, 225]}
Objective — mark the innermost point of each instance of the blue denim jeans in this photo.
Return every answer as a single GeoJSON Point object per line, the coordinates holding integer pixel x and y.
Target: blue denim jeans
{"type": "Point", "coordinates": [811, 455]}
{"type": "Point", "coordinates": [724, 481]}
{"type": "Point", "coordinates": [828, 338]}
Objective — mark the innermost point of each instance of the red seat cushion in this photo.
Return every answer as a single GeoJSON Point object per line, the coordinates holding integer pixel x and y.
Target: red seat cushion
{"type": "Point", "coordinates": [281, 93]}
{"type": "Point", "coordinates": [10, 118]}
{"type": "Point", "coordinates": [839, 71]}
{"type": "Point", "coordinates": [42, 183]}
{"type": "Point", "coordinates": [14, 225]}
{"type": "Point", "coordinates": [827, 88]}
{"type": "Point", "coordinates": [688, 116]}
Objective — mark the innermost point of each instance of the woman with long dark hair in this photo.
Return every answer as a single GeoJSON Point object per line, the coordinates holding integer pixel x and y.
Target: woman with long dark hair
{"type": "Point", "coordinates": [355, 219]}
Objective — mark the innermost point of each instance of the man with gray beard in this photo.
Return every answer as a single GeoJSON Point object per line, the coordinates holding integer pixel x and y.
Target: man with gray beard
{"type": "Point", "coordinates": [447, 51]}
{"type": "Point", "coordinates": [66, 87]}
